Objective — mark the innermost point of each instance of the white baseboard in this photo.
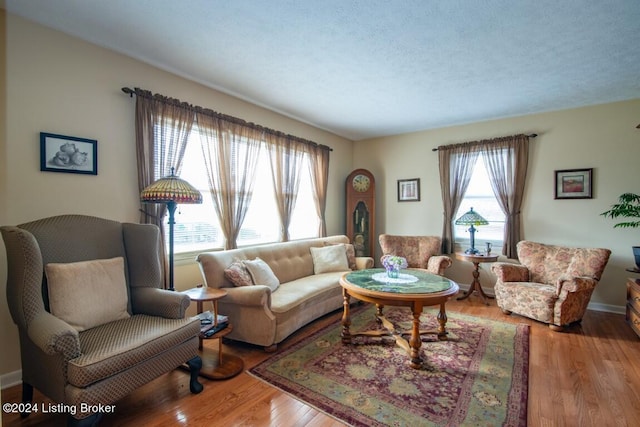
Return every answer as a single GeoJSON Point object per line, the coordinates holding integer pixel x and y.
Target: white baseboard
{"type": "Point", "coordinates": [616, 309]}
{"type": "Point", "coordinates": [11, 379]}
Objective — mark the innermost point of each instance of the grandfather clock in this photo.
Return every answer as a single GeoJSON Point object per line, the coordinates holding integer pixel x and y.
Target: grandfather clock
{"type": "Point", "coordinates": [360, 191]}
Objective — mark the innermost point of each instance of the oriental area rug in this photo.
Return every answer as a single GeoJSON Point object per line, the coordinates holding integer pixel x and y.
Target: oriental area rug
{"type": "Point", "coordinates": [477, 377]}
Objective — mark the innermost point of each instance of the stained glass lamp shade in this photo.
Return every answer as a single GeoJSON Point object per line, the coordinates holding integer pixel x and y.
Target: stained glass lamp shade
{"type": "Point", "coordinates": [173, 191]}
{"type": "Point", "coordinates": [472, 218]}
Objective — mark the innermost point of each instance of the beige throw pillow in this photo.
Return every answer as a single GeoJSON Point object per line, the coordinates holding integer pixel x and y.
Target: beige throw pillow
{"type": "Point", "coordinates": [87, 294]}
{"type": "Point", "coordinates": [261, 273]}
{"type": "Point", "coordinates": [351, 253]}
{"type": "Point", "coordinates": [329, 258]}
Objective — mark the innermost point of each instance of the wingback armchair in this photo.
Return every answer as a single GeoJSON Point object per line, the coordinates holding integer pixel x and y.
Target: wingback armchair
{"type": "Point", "coordinates": [92, 320]}
{"type": "Point", "coordinates": [420, 251]}
{"type": "Point", "coordinates": [552, 284]}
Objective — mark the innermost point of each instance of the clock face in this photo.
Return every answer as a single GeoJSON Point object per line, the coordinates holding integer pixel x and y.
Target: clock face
{"type": "Point", "coordinates": [361, 183]}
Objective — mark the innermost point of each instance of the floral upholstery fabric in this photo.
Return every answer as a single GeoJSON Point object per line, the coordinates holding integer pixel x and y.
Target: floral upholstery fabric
{"type": "Point", "coordinates": [420, 251]}
{"type": "Point", "coordinates": [238, 274]}
{"type": "Point", "coordinates": [552, 284]}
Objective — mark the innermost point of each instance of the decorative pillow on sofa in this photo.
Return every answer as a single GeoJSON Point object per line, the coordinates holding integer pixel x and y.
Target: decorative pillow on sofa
{"type": "Point", "coordinates": [238, 274]}
{"type": "Point", "coordinates": [329, 258]}
{"type": "Point", "coordinates": [351, 253]}
{"type": "Point", "coordinates": [88, 293]}
{"type": "Point", "coordinates": [261, 273]}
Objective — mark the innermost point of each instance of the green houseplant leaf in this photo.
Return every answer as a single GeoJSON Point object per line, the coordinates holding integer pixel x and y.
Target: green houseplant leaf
{"type": "Point", "coordinates": [628, 206]}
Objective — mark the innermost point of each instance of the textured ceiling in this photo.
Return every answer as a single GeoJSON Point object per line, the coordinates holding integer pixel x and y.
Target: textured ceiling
{"type": "Point", "coordinates": [370, 68]}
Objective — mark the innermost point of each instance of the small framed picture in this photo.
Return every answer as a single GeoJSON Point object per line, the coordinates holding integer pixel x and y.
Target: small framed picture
{"type": "Point", "coordinates": [574, 184]}
{"type": "Point", "coordinates": [59, 153]}
{"type": "Point", "coordinates": [409, 190]}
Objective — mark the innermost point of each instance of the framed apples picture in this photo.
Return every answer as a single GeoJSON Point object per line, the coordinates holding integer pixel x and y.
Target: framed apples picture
{"type": "Point", "coordinates": [60, 153]}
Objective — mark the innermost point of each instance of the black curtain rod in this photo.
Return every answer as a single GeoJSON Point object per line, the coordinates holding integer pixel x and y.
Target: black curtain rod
{"type": "Point", "coordinates": [533, 135]}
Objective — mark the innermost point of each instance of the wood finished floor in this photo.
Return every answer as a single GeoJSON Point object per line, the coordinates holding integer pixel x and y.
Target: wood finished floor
{"type": "Point", "coordinates": [586, 376]}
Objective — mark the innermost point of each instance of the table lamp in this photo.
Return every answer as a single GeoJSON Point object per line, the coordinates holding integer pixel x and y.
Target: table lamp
{"type": "Point", "coordinates": [173, 191]}
{"type": "Point", "coordinates": [472, 218]}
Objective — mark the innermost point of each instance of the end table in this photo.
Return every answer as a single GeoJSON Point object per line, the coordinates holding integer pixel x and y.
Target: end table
{"type": "Point", "coordinates": [475, 285]}
{"type": "Point", "coordinates": [214, 367]}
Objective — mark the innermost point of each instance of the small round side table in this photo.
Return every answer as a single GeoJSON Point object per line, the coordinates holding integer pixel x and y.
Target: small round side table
{"type": "Point", "coordinates": [475, 285]}
{"type": "Point", "coordinates": [214, 367]}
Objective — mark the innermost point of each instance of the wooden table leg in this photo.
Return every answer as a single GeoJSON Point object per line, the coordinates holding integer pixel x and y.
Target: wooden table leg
{"type": "Point", "coordinates": [415, 342]}
{"type": "Point", "coordinates": [346, 318]}
{"type": "Point", "coordinates": [379, 312]}
{"type": "Point", "coordinates": [442, 321]}
{"type": "Point", "coordinates": [475, 285]}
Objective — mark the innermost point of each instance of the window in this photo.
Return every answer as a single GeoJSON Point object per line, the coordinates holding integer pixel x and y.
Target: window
{"type": "Point", "coordinates": [304, 221]}
{"type": "Point", "coordinates": [480, 197]}
{"type": "Point", "coordinates": [197, 227]}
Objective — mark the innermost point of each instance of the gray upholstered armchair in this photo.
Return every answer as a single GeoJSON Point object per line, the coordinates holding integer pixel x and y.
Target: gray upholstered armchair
{"type": "Point", "coordinates": [92, 321]}
{"type": "Point", "coordinates": [420, 251]}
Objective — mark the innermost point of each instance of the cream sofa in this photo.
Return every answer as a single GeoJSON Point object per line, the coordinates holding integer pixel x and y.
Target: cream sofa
{"type": "Point", "coordinates": [264, 317]}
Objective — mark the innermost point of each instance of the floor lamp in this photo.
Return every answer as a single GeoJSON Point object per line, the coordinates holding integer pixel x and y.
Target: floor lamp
{"type": "Point", "coordinates": [472, 218]}
{"type": "Point", "coordinates": [172, 191]}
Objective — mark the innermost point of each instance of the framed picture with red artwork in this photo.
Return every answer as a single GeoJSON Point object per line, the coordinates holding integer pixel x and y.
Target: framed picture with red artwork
{"type": "Point", "coordinates": [574, 184]}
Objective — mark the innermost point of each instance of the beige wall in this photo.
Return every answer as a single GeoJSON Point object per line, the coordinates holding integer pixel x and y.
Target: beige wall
{"type": "Point", "coordinates": [59, 84]}
{"type": "Point", "coordinates": [602, 137]}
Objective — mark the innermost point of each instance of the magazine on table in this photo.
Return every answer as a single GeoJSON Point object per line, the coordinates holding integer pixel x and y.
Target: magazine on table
{"type": "Point", "coordinates": [206, 318]}
{"type": "Point", "coordinates": [214, 329]}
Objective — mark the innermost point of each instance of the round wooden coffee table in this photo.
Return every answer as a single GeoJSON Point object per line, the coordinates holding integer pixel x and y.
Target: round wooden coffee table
{"type": "Point", "coordinates": [414, 288]}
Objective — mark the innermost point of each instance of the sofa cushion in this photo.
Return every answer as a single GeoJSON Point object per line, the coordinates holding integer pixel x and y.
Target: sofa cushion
{"type": "Point", "coordinates": [87, 294]}
{"type": "Point", "coordinates": [329, 258]}
{"type": "Point", "coordinates": [298, 292]}
{"type": "Point", "coordinates": [261, 273]}
{"type": "Point", "coordinates": [238, 274]}
{"type": "Point", "coordinates": [537, 300]}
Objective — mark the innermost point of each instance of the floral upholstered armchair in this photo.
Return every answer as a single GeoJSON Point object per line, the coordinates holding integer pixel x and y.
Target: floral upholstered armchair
{"type": "Point", "coordinates": [552, 284]}
{"type": "Point", "coordinates": [420, 251]}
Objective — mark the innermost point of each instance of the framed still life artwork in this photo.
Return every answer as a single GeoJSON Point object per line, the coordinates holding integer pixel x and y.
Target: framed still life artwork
{"type": "Point", "coordinates": [59, 153]}
{"type": "Point", "coordinates": [409, 190]}
{"type": "Point", "coordinates": [574, 184]}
